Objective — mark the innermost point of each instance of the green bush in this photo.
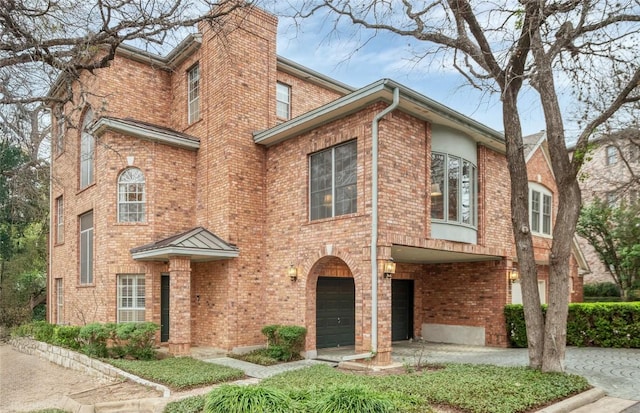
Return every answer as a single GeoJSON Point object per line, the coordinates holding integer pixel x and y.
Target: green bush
{"type": "Point", "coordinates": [67, 336]}
{"type": "Point", "coordinates": [347, 399]}
{"type": "Point", "coordinates": [248, 399]}
{"type": "Point", "coordinates": [193, 404]}
{"type": "Point", "coordinates": [44, 331]}
{"type": "Point", "coordinates": [284, 342]}
{"type": "Point", "coordinates": [135, 340]}
{"type": "Point", "coordinates": [94, 338]}
{"type": "Point", "coordinates": [606, 289]}
{"type": "Point", "coordinates": [588, 324]}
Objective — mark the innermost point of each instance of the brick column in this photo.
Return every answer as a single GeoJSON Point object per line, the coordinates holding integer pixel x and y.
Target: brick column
{"type": "Point", "coordinates": [180, 306]}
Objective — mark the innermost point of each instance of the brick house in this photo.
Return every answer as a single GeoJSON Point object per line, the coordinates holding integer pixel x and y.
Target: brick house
{"type": "Point", "coordinates": [223, 188]}
{"type": "Point", "coordinates": [611, 172]}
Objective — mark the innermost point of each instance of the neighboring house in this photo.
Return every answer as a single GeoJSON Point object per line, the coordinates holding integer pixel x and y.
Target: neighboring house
{"type": "Point", "coordinates": [223, 188]}
{"type": "Point", "coordinates": [611, 172]}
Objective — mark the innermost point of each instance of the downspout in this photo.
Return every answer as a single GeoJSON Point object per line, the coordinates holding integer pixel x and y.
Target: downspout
{"type": "Point", "coordinates": [50, 241]}
{"type": "Point", "coordinates": [374, 228]}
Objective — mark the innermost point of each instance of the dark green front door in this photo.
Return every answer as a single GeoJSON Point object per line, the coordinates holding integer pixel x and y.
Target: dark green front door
{"type": "Point", "coordinates": [164, 308]}
{"type": "Point", "coordinates": [401, 309]}
{"type": "Point", "coordinates": [335, 312]}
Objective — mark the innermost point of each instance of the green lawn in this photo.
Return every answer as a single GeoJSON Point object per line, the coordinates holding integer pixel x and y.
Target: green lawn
{"type": "Point", "coordinates": [473, 388]}
{"type": "Point", "coordinates": [179, 373]}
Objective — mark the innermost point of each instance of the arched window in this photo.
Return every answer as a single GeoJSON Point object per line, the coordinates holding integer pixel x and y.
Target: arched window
{"type": "Point", "coordinates": [131, 196]}
{"type": "Point", "coordinates": [87, 149]}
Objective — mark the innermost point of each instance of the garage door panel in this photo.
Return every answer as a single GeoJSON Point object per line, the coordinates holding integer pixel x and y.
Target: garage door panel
{"type": "Point", "coordinates": [335, 312]}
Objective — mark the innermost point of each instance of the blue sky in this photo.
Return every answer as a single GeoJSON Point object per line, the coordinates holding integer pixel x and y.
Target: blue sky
{"type": "Point", "coordinates": [343, 57]}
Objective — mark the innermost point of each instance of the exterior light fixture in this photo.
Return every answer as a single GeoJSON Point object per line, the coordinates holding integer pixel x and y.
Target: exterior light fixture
{"type": "Point", "coordinates": [327, 200]}
{"type": "Point", "coordinates": [435, 189]}
{"type": "Point", "coordinates": [292, 272]}
{"type": "Point", "coordinates": [389, 268]}
{"type": "Point", "coordinates": [514, 275]}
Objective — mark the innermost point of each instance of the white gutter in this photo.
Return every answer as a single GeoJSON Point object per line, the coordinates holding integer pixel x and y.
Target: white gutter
{"type": "Point", "coordinates": [374, 228]}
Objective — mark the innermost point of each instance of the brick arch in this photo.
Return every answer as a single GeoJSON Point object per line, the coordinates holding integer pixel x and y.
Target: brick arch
{"type": "Point", "coordinates": [336, 264]}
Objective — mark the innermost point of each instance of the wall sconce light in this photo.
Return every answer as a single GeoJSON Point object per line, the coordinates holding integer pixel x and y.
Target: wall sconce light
{"type": "Point", "coordinates": [292, 272]}
{"type": "Point", "coordinates": [389, 268]}
{"type": "Point", "coordinates": [514, 275]}
{"type": "Point", "coordinates": [327, 200]}
{"type": "Point", "coordinates": [435, 189]}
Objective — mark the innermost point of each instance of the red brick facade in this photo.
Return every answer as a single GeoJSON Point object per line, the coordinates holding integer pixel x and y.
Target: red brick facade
{"type": "Point", "coordinates": [255, 197]}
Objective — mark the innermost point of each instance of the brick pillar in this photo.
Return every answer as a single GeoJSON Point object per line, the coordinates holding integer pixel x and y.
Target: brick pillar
{"type": "Point", "coordinates": [180, 306]}
{"type": "Point", "coordinates": [383, 357]}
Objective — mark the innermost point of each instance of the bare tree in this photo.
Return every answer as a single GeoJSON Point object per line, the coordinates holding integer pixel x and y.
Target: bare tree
{"type": "Point", "coordinates": [505, 46]}
{"type": "Point", "coordinates": [44, 41]}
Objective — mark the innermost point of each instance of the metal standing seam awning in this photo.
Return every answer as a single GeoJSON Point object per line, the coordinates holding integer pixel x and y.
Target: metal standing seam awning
{"type": "Point", "coordinates": [198, 243]}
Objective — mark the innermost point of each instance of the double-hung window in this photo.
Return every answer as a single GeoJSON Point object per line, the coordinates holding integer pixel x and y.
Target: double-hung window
{"type": "Point", "coordinates": [86, 248]}
{"type": "Point", "coordinates": [131, 196]}
{"type": "Point", "coordinates": [131, 291]}
{"type": "Point", "coordinates": [540, 206]}
{"type": "Point", "coordinates": [87, 151]}
{"type": "Point", "coordinates": [60, 130]}
{"type": "Point", "coordinates": [59, 220]}
{"type": "Point", "coordinates": [59, 302]}
{"type": "Point", "coordinates": [283, 101]}
{"type": "Point", "coordinates": [193, 80]}
{"type": "Point", "coordinates": [333, 181]}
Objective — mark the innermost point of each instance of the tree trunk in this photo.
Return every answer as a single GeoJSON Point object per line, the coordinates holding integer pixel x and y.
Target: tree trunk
{"type": "Point", "coordinates": [520, 224]}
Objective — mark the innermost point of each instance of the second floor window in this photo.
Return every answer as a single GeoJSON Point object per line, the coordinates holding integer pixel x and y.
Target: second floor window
{"type": "Point", "coordinates": [612, 155]}
{"type": "Point", "coordinates": [60, 130]}
{"type": "Point", "coordinates": [59, 220]}
{"type": "Point", "coordinates": [193, 76]}
{"type": "Point", "coordinates": [333, 181]}
{"type": "Point", "coordinates": [453, 189]}
{"type": "Point", "coordinates": [131, 196]}
{"type": "Point", "coordinates": [87, 151]}
{"type": "Point", "coordinates": [540, 205]}
{"type": "Point", "coordinates": [283, 101]}
{"type": "Point", "coordinates": [86, 248]}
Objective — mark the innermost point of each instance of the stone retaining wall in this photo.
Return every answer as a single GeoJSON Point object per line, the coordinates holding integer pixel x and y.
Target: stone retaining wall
{"type": "Point", "coordinates": [76, 361]}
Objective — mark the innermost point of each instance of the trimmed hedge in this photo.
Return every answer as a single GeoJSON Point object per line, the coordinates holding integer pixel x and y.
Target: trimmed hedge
{"type": "Point", "coordinates": [284, 342]}
{"type": "Point", "coordinates": [615, 325]}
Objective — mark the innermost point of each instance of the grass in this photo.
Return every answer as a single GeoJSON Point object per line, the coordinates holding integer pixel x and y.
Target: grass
{"type": "Point", "coordinates": [179, 373]}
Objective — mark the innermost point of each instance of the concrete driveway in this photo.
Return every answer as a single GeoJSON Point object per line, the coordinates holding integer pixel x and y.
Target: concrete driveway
{"type": "Point", "coordinates": [616, 371]}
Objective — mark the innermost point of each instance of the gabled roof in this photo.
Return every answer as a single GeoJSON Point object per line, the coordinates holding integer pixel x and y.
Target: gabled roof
{"type": "Point", "coordinates": [411, 102]}
{"type": "Point", "coordinates": [533, 142]}
{"type": "Point", "coordinates": [144, 130]}
{"type": "Point", "coordinates": [198, 243]}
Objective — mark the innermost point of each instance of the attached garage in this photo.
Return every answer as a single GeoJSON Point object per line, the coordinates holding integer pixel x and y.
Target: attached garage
{"type": "Point", "coordinates": [335, 312]}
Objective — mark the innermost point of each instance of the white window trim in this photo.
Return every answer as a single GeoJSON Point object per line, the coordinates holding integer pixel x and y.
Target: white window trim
{"type": "Point", "coordinates": [59, 301]}
{"type": "Point", "coordinates": [134, 310]}
{"type": "Point", "coordinates": [444, 189]}
{"type": "Point", "coordinates": [193, 93]}
{"type": "Point", "coordinates": [86, 278]}
{"type": "Point", "coordinates": [60, 219]}
{"type": "Point", "coordinates": [122, 190]}
{"type": "Point", "coordinates": [87, 151]}
{"type": "Point", "coordinates": [543, 191]}
{"type": "Point", "coordinates": [611, 155]}
{"type": "Point", "coordinates": [286, 103]}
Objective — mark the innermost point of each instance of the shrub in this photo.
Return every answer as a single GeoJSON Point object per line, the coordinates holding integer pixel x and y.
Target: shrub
{"type": "Point", "coordinates": [94, 339]}
{"type": "Point", "coordinates": [193, 404]}
{"type": "Point", "coordinates": [136, 340]}
{"type": "Point", "coordinates": [347, 399]}
{"type": "Point", "coordinates": [605, 289]}
{"type": "Point", "coordinates": [67, 336]}
{"type": "Point", "coordinates": [248, 399]}
{"type": "Point", "coordinates": [284, 342]}
{"type": "Point", "coordinates": [588, 324]}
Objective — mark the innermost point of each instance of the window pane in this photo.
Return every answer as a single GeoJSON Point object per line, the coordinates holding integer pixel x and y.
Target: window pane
{"type": "Point", "coordinates": [546, 214]}
{"type": "Point", "coordinates": [283, 101]}
{"type": "Point", "coordinates": [194, 93]}
{"type": "Point", "coordinates": [345, 179]}
{"type": "Point", "coordinates": [535, 211]}
{"type": "Point", "coordinates": [437, 185]}
{"type": "Point", "coordinates": [453, 187]}
{"type": "Point", "coordinates": [131, 196]}
{"type": "Point", "coordinates": [321, 194]}
{"type": "Point", "coordinates": [466, 202]}
{"type": "Point", "coordinates": [86, 151]}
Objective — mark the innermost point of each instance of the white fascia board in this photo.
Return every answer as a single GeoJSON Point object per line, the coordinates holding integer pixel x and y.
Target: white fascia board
{"type": "Point", "coordinates": [104, 124]}
{"type": "Point", "coordinates": [303, 72]}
